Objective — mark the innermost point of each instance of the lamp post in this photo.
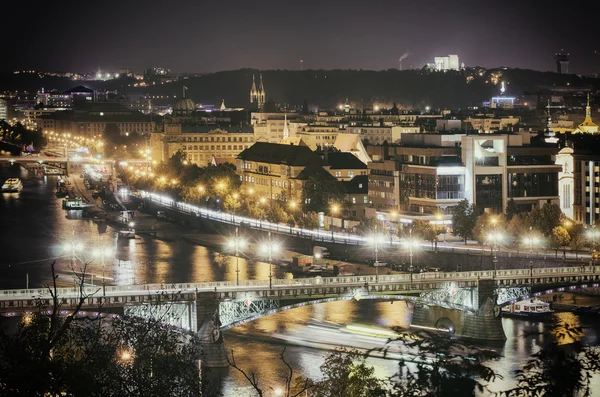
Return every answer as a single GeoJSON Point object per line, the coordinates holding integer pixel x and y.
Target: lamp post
{"type": "Point", "coordinates": [494, 238]}
{"type": "Point", "coordinates": [236, 243]}
{"type": "Point", "coordinates": [293, 209]}
{"type": "Point", "coordinates": [531, 241]}
{"type": "Point", "coordinates": [592, 233]}
{"type": "Point", "coordinates": [334, 209]}
{"type": "Point", "coordinates": [393, 215]}
{"type": "Point", "coordinates": [235, 197]}
{"type": "Point", "coordinates": [376, 263]}
{"type": "Point", "coordinates": [566, 224]}
{"type": "Point", "coordinates": [102, 251]}
{"type": "Point", "coordinates": [269, 249]}
{"type": "Point", "coordinates": [410, 254]}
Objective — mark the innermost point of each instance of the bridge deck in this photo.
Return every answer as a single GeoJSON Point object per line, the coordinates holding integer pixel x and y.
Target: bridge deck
{"type": "Point", "coordinates": [295, 288]}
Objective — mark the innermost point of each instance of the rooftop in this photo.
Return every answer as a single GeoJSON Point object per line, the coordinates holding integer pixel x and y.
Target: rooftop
{"type": "Point", "coordinates": [344, 160]}
{"type": "Point", "coordinates": [275, 153]}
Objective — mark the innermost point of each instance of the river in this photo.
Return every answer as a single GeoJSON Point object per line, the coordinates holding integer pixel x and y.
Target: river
{"type": "Point", "coordinates": [35, 230]}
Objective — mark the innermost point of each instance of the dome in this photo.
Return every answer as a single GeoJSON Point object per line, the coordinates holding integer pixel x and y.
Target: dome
{"type": "Point", "coordinates": [184, 105]}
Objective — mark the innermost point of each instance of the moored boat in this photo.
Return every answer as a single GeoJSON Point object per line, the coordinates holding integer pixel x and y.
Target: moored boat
{"type": "Point", "coordinates": [530, 308]}
{"type": "Point", "coordinates": [73, 203]}
{"type": "Point", "coordinates": [12, 185]}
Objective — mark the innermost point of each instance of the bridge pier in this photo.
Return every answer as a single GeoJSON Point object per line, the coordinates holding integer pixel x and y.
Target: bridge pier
{"type": "Point", "coordinates": [484, 324]}
{"type": "Point", "coordinates": [208, 323]}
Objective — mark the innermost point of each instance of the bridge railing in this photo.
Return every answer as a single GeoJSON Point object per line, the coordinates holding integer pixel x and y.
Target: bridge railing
{"type": "Point", "coordinates": [250, 285]}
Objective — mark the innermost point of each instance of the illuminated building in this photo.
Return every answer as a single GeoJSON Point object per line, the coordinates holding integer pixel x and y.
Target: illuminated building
{"type": "Point", "coordinates": [202, 145]}
{"type": "Point", "coordinates": [588, 126]}
{"type": "Point", "coordinates": [579, 183]}
{"type": "Point", "coordinates": [431, 173]}
{"type": "Point", "coordinates": [259, 97]}
{"type": "Point", "coordinates": [3, 110]}
{"type": "Point", "coordinates": [449, 62]}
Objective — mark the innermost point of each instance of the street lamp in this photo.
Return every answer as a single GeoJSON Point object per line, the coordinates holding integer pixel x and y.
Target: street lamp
{"type": "Point", "coordinates": [410, 244]}
{"type": "Point", "coordinates": [293, 210]}
{"type": "Point", "coordinates": [268, 249]}
{"type": "Point", "coordinates": [237, 242]}
{"type": "Point", "coordinates": [494, 237]}
{"type": "Point", "coordinates": [101, 252]}
{"type": "Point", "coordinates": [375, 241]}
{"type": "Point", "coordinates": [592, 234]}
{"type": "Point", "coordinates": [334, 209]}
{"type": "Point", "coordinates": [566, 223]}
{"type": "Point", "coordinates": [531, 241]}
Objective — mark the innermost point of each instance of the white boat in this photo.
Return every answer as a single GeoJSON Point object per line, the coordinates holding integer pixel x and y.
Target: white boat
{"type": "Point", "coordinates": [12, 185]}
{"type": "Point", "coordinates": [530, 308]}
{"type": "Point", "coordinates": [73, 203]}
{"type": "Point", "coordinates": [127, 233]}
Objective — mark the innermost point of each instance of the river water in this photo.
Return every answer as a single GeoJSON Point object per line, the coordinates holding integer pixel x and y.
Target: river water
{"type": "Point", "coordinates": [35, 231]}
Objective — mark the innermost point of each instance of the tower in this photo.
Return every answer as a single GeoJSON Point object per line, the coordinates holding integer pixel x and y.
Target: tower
{"type": "Point", "coordinates": [562, 62]}
{"type": "Point", "coordinates": [253, 92]}
{"type": "Point", "coordinates": [286, 130]}
{"type": "Point", "coordinates": [258, 96]}
{"type": "Point", "coordinates": [262, 95]}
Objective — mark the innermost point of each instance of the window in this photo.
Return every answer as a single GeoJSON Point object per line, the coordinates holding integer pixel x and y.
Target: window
{"type": "Point", "coordinates": [353, 200]}
{"type": "Point", "coordinates": [360, 185]}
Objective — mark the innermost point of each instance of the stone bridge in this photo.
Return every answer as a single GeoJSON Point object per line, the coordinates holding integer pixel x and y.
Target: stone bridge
{"type": "Point", "coordinates": [467, 302]}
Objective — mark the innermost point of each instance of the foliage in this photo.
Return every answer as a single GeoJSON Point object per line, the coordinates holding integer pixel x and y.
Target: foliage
{"type": "Point", "coordinates": [294, 386]}
{"type": "Point", "coordinates": [188, 181]}
{"type": "Point", "coordinates": [256, 211]}
{"type": "Point", "coordinates": [51, 355]}
{"type": "Point", "coordinates": [559, 237]}
{"type": "Point", "coordinates": [512, 209]}
{"type": "Point", "coordinates": [310, 220]}
{"type": "Point", "coordinates": [319, 193]}
{"type": "Point", "coordinates": [232, 204]}
{"type": "Point", "coordinates": [369, 226]}
{"type": "Point", "coordinates": [518, 227]}
{"type": "Point", "coordinates": [577, 237]}
{"type": "Point", "coordinates": [346, 374]}
{"type": "Point", "coordinates": [20, 135]}
{"type": "Point", "coordinates": [546, 218]}
{"type": "Point", "coordinates": [464, 219]}
{"type": "Point", "coordinates": [277, 214]}
{"type": "Point", "coordinates": [445, 366]}
{"type": "Point", "coordinates": [563, 367]}
{"type": "Point", "coordinates": [423, 230]}
{"type": "Point", "coordinates": [485, 225]}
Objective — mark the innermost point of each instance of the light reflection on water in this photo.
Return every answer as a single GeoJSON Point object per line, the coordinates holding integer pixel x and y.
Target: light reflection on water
{"type": "Point", "coordinates": [35, 228]}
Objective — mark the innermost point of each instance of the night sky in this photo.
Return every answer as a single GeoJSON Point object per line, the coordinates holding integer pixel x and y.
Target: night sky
{"type": "Point", "coordinates": [200, 36]}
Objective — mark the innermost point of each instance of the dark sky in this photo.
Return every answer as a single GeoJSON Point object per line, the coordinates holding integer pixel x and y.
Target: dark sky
{"type": "Point", "coordinates": [200, 36]}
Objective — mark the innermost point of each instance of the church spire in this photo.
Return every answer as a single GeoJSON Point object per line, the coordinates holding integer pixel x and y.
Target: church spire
{"type": "Point", "coordinates": [253, 92]}
{"type": "Point", "coordinates": [286, 130]}
{"type": "Point", "coordinates": [588, 109]}
{"type": "Point", "coordinates": [223, 105]}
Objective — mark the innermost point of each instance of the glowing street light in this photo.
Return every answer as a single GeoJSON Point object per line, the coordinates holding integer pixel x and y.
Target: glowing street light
{"type": "Point", "coordinates": [494, 237]}
{"type": "Point", "coordinates": [237, 243]}
{"type": "Point", "coordinates": [125, 356]}
{"type": "Point", "coordinates": [531, 241]}
{"type": "Point", "coordinates": [269, 249]}
{"type": "Point", "coordinates": [376, 240]}
{"type": "Point", "coordinates": [102, 252]}
{"type": "Point", "coordinates": [334, 210]}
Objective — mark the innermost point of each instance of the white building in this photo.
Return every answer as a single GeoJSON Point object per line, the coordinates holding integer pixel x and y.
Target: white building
{"type": "Point", "coordinates": [449, 62]}
{"type": "Point", "coordinates": [3, 110]}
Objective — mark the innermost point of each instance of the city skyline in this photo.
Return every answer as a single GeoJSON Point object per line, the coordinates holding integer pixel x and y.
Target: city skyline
{"type": "Point", "coordinates": [196, 37]}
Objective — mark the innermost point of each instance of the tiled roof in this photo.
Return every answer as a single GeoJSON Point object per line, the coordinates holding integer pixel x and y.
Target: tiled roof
{"type": "Point", "coordinates": [344, 160]}
{"type": "Point", "coordinates": [275, 153]}
{"type": "Point", "coordinates": [357, 185]}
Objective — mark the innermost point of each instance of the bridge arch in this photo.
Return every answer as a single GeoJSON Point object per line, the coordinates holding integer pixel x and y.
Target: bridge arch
{"type": "Point", "coordinates": [235, 313]}
{"type": "Point", "coordinates": [521, 293]}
